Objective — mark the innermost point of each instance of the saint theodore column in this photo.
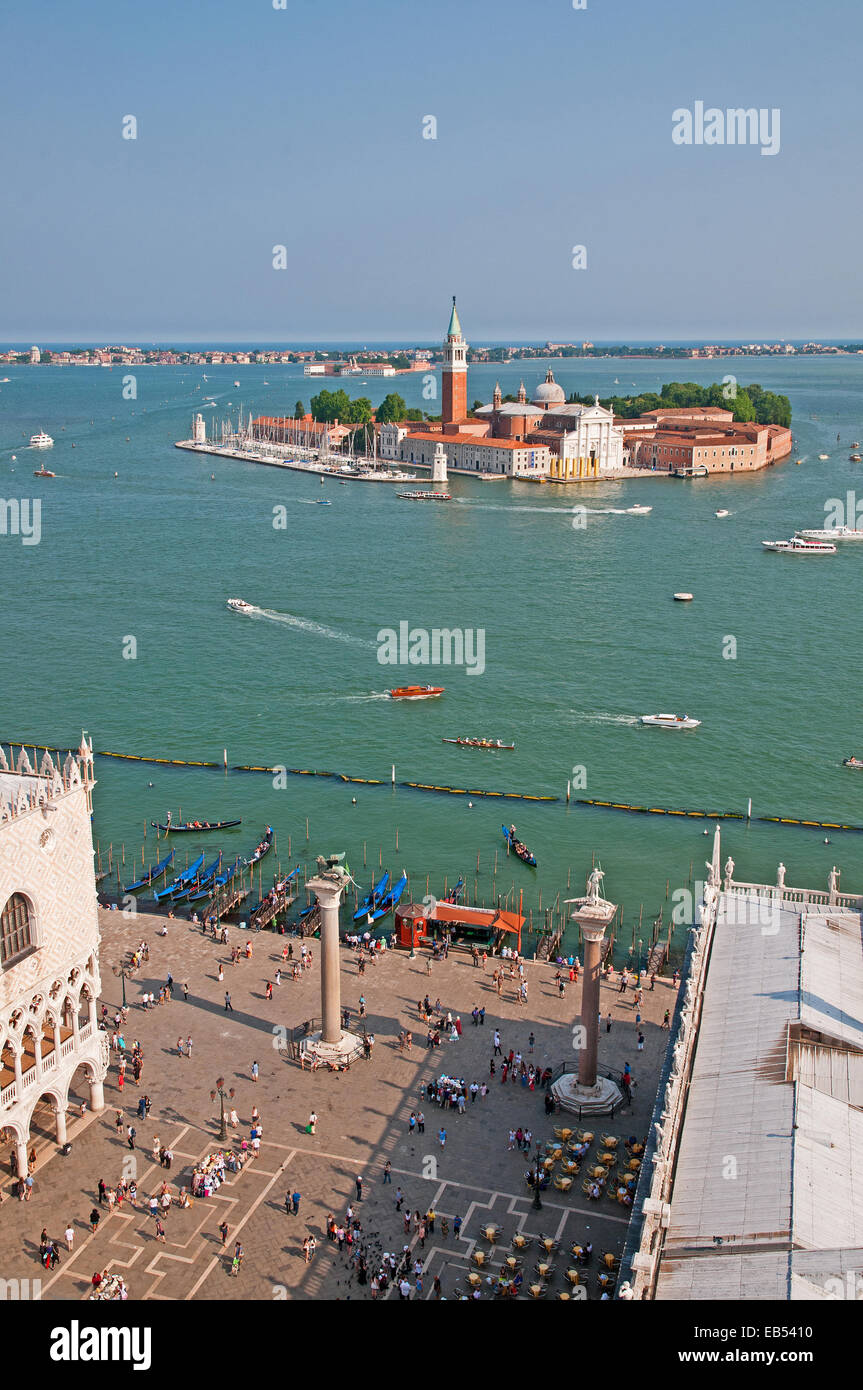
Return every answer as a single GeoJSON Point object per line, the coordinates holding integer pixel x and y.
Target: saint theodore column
{"type": "Point", "coordinates": [332, 1043]}
{"type": "Point", "coordinates": [585, 1093]}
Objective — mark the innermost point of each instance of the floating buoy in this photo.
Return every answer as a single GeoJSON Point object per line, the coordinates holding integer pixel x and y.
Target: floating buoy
{"type": "Point", "coordinates": [116, 475]}
{"type": "Point", "coordinates": [470, 805]}
{"type": "Point", "coordinates": [353, 801]}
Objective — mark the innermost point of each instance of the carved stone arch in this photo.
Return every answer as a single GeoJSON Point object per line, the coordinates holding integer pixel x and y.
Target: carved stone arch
{"type": "Point", "coordinates": [55, 989]}
{"type": "Point", "coordinates": [68, 1010]}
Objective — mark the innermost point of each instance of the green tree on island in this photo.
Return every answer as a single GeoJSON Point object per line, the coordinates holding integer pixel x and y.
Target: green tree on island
{"type": "Point", "coordinates": [299, 410]}
{"type": "Point", "coordinates": [391, 409]}
{"type": "Point", "coordinates": [328, 406]}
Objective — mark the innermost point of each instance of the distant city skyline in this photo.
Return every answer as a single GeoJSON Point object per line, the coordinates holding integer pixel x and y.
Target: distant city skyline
{"type": "Point", "coordinates": [553, 130]}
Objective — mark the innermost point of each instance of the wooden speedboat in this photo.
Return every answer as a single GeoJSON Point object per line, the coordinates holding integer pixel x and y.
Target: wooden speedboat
{"type": "Point", "coordinates": [415, 692]}
{"type": "Point", "coordinates": [43, 473]}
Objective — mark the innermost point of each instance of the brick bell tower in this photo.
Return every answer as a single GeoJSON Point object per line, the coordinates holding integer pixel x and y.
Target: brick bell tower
{"type": "Point", "coordinates": [454, 373]}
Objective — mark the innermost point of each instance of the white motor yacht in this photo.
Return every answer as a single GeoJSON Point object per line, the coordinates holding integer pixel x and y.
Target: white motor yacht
{"type": "Point", "coordinates": [800, 546]}
{"type": "Point", "coordinates": [638, 511]}
{"type": "Point", "coordinates": [239, 605]}
{"type": "Point", "coordinates": [670, 721]}
{"type": "Point", "coordinates": [41, 441]}
{"type": "Point", "coordinates": [833, 533]}
{"type": "Point", "coordinates": [723, 511]}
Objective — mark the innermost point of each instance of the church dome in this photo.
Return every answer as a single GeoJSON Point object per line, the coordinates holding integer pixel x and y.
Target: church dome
{"type": "Point", "coordinates": [549, 393]}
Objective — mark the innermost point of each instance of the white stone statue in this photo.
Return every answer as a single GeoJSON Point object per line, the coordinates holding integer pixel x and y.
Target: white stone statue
{"type": "Point", "coordinates": [780, 876]}
{"type": "Point", "coordinates": [711, 873]}
{"type": "Point", "coordinates": [833, 880]}
{"type": "Point", "coordinates": [593, 883]}
{"type": "Point", "coordinates": [729, 871]}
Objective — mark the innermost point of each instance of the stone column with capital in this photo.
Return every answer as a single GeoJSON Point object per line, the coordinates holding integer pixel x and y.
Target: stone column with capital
{"type": "Point", "coordinates": [593, 939]}
{"type": "Point", "coordinates": [333, 1044]}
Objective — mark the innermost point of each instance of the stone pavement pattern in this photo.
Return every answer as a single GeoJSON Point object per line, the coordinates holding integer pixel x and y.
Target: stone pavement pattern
{"type": "Point", "coordinates": [363, 1122]}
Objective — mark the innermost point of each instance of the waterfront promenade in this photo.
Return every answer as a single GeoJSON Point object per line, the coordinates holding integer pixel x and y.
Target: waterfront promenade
{"type": "Point", "coordinates": [362, 1123]}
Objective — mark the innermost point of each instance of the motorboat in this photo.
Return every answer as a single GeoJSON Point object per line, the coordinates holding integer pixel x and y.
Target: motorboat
{"type": "Point", "coordinates": [638, 511]}
{"type": "Point", "coordinates": [852, 762]}
{"type": "Point", "coordinates": [323, 501]}
{"type": "Point", "coordinates": [415, 692]}
{"type": "Point", "coordinates": [41, 441]}
{"type": "Point", "coordinates": [824, 457]}
{"type": "Point", "coordinates": [43, 473]}
{"type": "Point", "coordinates": [239, 605]}
{"type": "Point", "coordinates": [833, 533]}
{"type": "Point", "coordinates": [425, 496]}
{"type": "Point", "coordinates": [670, 721]}
{"type": "Point", "coordinates": [236, 383]}
{"type": "Point", "coordinates": [854, 458]}
{"type": "Point", "coordinates": [723, 511]}
{"type": "Point", "coordinates": [683, 598]}
{"type": "Point", "coordinates": [800, 546]}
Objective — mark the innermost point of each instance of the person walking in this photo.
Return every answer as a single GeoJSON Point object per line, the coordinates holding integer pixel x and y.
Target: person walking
{"type": "Point", "coordinates": [95, 1218]}
{"type": "Point", "coordinates": [255, 1072]}
{"type": "Point", "coordinates": [498, 1050]}
{"type": "Point", "coordinates": [160, 1230]}
{"type": "Point", "coordinates": [295, 1203]}
{"type": "Point", "coordinates": [130, 1135]}
{"type": "Point", "coordinates": [442, 1137]}
{"type": "Point", "coordinates": [185, 992]}
{"type": "Point", "coordinates": [388, 1172]}
{"type": "Point", "coordinates": [179, 1047]}
{"type": "Point", "coordinates": [313, 1120]}
{"type": "Point", "coordinates": [359, 1187]}
{"type": "Point", "coordinates": [421, 1122]}
{"type": "Point", "coordinates": [102, 1191]}
{"type": "Point", "coordinates": [189, 1048]}
{"type": "Point", "coordinates": [223, 1232]}
{"type": "Point", "coordinates": [69, 1235]}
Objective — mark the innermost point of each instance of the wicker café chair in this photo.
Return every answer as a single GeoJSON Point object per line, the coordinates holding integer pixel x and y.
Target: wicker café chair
{"type": "Point", "coordinates": [585, 1136]}
{"type": "Point", "coordinates": [563, 1184]}
{"type": "Point", "coordinates": [608, 1141]}
{"type": "Point", "coordinates": [563, 1134]}
{"type": "Point", "coordinates": [570, 1168]}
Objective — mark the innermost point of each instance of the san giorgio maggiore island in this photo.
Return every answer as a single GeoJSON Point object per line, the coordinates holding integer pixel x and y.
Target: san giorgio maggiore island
{"type": "Point", "coordinates": [546, 439]}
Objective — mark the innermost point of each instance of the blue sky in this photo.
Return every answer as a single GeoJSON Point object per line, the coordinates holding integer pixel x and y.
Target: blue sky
{"type": "Point", "coordinates": [303, 127]}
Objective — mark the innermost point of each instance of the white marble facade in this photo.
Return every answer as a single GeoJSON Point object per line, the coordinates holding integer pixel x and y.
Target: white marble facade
{"type": "Point", "coordinates": [49, 941]}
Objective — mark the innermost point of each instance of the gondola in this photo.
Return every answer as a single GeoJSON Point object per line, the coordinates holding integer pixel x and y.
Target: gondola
{"type": "Point", "coordinates": [372, 899]}
{"type": "Point", "coordinates": [200, 886]}
{"type": "Point", "coordinates": [187, 876]}
{"type": "Point", "coordinates": [519, 849]}
{"type": "Point", "coordinates": [264, 847]}
{"type": "Point", "coordinates": [391, 900]}
{"type": "Point", "coordinates": [192, 827]}
{"type": "Point", "coordinates": [151, 875]}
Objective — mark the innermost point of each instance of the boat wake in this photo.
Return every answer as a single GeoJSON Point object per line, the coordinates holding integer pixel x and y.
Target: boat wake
{"type": "Point", "coordinates": [362, 699]}
{"type": "Point", "coordinates": [603, 717]}
{"type": "Point", "coordinates": [308, 625]}
{"type": "Point", "coordinates": [547, 511]}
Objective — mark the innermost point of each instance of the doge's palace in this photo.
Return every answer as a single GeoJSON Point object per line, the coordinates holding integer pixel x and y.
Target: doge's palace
{"type": "Point", "coordinates": [49, 942]}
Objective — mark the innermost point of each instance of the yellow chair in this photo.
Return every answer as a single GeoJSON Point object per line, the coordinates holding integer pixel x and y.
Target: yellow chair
{"type": "Point", "coordinates": [563, 1184]}
{"type": "Point", "coordinates": [634, 1164]}
{"type": "Point", "coordinates": [608, 1141]}
{"type": "Point", "coordinates": [548, 1164]}
{"type": "Point", "coordinates": [562, 1133]}
{"type": "Point", "coordinates": [585, 1136]}
{"type": "Point", "coordinates": [570, 1168]}
{"type": "Point", "coordinates": [598, 1171]}
{"type": "Point", "coordinates": [606, 1159]}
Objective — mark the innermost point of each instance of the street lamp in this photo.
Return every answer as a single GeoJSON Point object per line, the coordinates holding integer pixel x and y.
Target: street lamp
{"type": "Point", "coordinates": [121, 971]}
{"type": "Point", "coordinates": [221, 1093]}
{"type": "Point", "coordinates": [537, 1204]}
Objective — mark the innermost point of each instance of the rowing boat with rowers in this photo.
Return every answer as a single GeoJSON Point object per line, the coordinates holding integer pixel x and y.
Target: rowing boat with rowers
{"type": "Point", "coordinates": [481, 743]}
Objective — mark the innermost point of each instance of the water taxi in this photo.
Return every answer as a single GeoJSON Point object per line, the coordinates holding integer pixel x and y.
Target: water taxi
{"type": "Point", "coordinates": [670, 721]}
{"type": "Point", "coordinates": [239, 605]}
{"type": "Point", "coordinates": [425, 496]}
{"type": "Point", "coordinates": [800, 546]}
{"type": "Point", "coordinates": [723, 511]}
{"type": "Point", "coordinates": [824, 457]}
{"type": "Point", "coordinates": [415, 692]}
{"type": "Point", "coordinates": [833, 533]}
{"type": "Point", "coordinates": [43, 473]}
{"type": "Point", "coordinates": [854, 458]}
{"type": "Point", "coordinates": [638, 511]}
{"type": "Point", "coordinates": [41, 441]}
{"type": "Point", "coordinates": [683, 598]}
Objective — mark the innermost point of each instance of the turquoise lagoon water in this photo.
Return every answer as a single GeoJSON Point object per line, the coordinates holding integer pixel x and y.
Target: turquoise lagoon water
{"type": "Point", "coordinates": [581, 636]}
